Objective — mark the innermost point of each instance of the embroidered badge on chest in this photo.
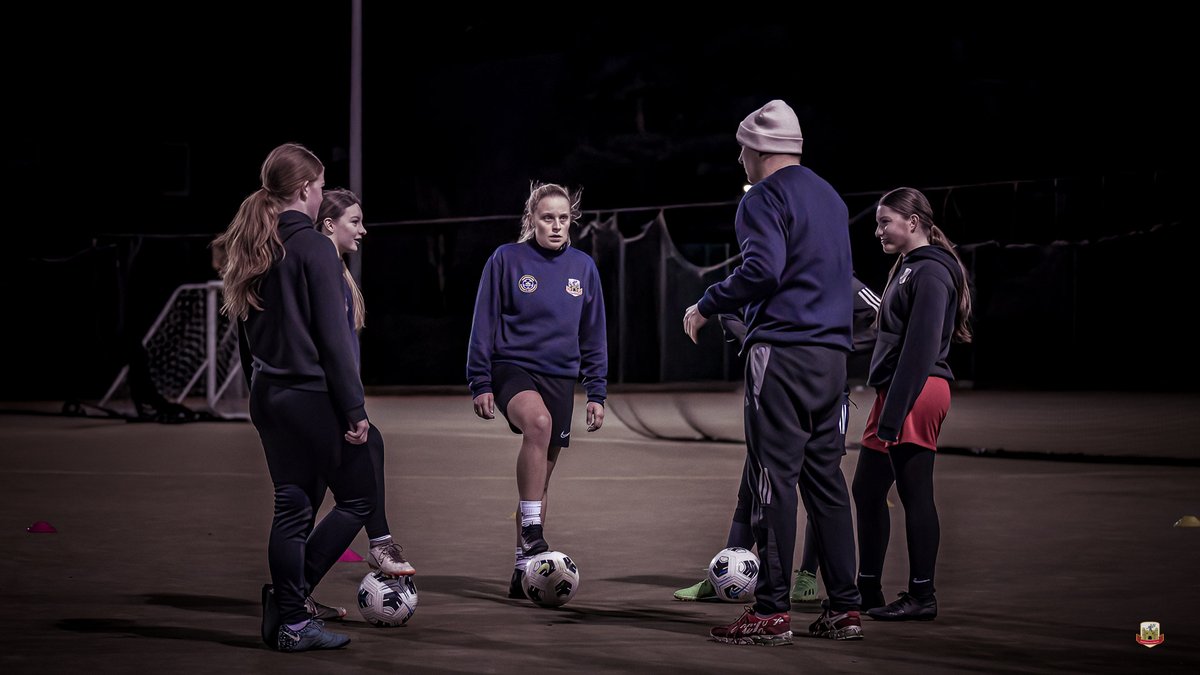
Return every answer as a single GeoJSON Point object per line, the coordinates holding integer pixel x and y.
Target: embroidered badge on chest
{"type": "Point", "coordinates": [527, 284]}
{"type": "Point", "coordinates": [905, 275]}
{"type": "Point", "coordinates": [574, 288]}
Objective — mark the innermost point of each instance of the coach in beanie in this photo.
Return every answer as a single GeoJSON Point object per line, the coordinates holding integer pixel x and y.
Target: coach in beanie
{"type": "Point", "coordinates": [772, 128]}
{"type": "Point", "coordinates": [793, 288]}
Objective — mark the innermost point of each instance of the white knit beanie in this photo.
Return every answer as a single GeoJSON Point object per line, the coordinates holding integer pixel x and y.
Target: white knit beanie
{"type": "Point", "coordinates": [772, 128]}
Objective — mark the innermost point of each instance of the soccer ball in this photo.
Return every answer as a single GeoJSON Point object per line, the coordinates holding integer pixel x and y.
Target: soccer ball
{"type": "Point", "coordinates": [551, 579]}
{"type": "Point", "coordinates": [387, 601]}
{"type": "Point", "coordinates": [733, 572]}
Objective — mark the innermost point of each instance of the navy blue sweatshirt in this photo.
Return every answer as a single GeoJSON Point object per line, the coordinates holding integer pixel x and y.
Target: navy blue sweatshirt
{"type": "Point", "coordinates": [542, 310]}
{"type": "Point", "coordinates": [916, 323]}
{"type": "Point", "coordinates": [299, 339]}
{"type": "Point", "coordinates": [794, 280]}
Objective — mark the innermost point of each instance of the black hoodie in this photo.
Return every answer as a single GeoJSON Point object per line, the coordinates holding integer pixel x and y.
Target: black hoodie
{"type": "Point", "coordinates": [916, 323]}
{"type": "Point", "coordinates": [300, 338]}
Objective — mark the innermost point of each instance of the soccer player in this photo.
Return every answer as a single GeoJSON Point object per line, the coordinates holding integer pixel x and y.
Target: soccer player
{"type": "Point", "coordinates": [538, 328]}
{"type": "Point", "coordinates": [926, 306]}
{"type": "Point", "coordinates": [283, 283]}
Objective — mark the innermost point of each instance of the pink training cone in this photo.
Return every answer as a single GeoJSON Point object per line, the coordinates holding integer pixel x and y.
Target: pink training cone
{"type": "Point", "coordinates": [350, 556]}
{"type": "Point", "coordinates": [41, 527]}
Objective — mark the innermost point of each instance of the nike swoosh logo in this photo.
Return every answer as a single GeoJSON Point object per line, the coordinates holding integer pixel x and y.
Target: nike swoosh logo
{"type": "Point", "coordinates": [564, 434]}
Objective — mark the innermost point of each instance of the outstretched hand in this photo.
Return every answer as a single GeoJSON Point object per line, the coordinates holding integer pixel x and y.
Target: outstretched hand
{"type": "Point", "coordinates": [485, 406]}
{"type": "Point", "coordinates": [693, 321]}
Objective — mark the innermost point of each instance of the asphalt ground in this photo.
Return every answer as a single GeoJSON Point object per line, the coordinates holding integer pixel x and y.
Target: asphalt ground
{"type": "Point", "coordinates": [160, 550]}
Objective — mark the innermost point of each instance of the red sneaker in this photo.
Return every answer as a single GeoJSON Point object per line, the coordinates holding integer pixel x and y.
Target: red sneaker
{"type": "Point", "coordinates": [751, 629]}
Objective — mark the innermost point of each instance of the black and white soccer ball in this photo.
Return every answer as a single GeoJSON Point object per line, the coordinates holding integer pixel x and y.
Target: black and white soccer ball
{"type": "Point", "coordinates": [387, 601]}
{"type": "Point", "coordinates": [733, 573]}
{"type": "Point", "coordinates": [551, 579]}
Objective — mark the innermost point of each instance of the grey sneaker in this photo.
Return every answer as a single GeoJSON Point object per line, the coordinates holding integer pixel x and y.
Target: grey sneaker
{"type": "Point", "coordinates": [312, 636]}
{"type": "Point", "coordinates": [389, 559]}
{"type": "Point", "coordinates": [318, 611]}
{"type": "Point", "coordinates": [837, 626]}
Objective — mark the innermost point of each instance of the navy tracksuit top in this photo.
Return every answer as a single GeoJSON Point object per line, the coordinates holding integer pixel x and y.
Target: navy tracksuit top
{"type": "Point", "coordinates": [542, 310]}
{"type": "Point", "coordinates": [794, 281]}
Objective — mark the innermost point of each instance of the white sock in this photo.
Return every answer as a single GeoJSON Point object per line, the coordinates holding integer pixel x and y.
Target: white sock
{"type": "Point", "coordinates": [298, 626]}
{"type": "Point", "coordinates": [380, 541]}
{"type": "Point", "coordinates": [531, 513]}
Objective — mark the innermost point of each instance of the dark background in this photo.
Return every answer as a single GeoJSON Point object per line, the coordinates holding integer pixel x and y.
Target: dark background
{"type": "Point", "coordinates": [132, 136]}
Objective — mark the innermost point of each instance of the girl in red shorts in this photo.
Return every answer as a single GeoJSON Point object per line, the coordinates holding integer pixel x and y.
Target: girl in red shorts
{"type": "Point", "coordinates": [925, 307]}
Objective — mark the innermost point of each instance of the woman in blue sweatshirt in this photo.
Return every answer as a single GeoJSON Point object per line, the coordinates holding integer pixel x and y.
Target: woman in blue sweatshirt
{"type": "Point", "coordinates": [283, 282]}
{"type": "Point", "coordinates": [926, 305]}
{"type": "Point", "coordinates": [538, 328]}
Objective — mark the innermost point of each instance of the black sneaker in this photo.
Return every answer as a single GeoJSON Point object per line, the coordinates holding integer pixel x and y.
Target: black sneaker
{"type": "Point", "coordinates": [516, 588]}
{"type": "Point", "coordinates": [532, 542]}
{"type": "Point", "coordinates": [871, 598]}
{"type": "Point", "coordinates": [324, 612]}
{"type": "Point", "coordinates": [907, 608]}
{"type": "Point", "coordinates": [270, 617]}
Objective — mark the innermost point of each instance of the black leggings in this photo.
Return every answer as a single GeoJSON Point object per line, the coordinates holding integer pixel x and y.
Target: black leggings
{"type": "Point", "coordinates": [741, 534]}
{"type": "Point", "coordinates": [302, 437]}
{"type": "Point", "coordinates": [910, 467]}
{"type": "Point", "coordinates": [377, 524]}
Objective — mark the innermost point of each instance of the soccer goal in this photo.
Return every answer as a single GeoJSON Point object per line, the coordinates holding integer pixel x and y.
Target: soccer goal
{"type": "Point", "coordinates": [191, 353]}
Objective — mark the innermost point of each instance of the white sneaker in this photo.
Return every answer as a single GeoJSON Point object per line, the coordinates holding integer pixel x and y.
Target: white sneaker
{"type": "Point", "coordinates": [389, 559]}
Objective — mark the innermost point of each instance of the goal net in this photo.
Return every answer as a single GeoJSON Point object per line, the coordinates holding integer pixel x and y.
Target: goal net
{"type": "Point", "coordinates": [190, 358]}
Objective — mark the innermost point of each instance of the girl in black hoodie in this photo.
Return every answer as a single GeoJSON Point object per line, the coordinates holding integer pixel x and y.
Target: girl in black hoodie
{"type": "Point", "coordinates": [926, 305]}
{"type": "Point", "coordinates": [283, 282]}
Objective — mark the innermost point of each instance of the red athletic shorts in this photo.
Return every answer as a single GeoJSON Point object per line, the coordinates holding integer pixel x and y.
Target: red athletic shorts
{"type": "Point", "coordinates": [924, 421]}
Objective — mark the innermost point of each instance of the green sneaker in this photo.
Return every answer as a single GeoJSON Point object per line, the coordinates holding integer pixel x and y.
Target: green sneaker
{"type": "Point", "coordinates": [804, 587]}
{"type": "Point", "coordinates": [701, 591]}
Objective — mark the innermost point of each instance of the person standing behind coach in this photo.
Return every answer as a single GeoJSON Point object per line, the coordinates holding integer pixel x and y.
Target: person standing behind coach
{"type": "Point", "coordinates": [795, 292]}
{"type": "Point", "coordinates": [926, 306]}
{"type": "Point", "coordinates": [283, 282]}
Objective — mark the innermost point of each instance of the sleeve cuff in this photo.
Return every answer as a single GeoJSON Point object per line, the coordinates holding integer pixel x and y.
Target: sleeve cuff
{"type": "Point", "coordinates": [889, 435]}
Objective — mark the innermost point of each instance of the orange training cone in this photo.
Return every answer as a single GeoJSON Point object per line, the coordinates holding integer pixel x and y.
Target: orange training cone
{"type": "Point", "coordinates": [41, 527]}
{"type": "Point", "coordinates": [350, 556]}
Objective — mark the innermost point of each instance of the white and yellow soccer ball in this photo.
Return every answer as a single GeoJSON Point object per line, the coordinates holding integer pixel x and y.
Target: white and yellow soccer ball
{"type": "Point", "coordinates": [551, 579]}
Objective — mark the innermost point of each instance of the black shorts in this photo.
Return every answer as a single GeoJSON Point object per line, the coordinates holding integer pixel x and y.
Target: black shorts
{"type": "Point", "coordinates": [558, 393]}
